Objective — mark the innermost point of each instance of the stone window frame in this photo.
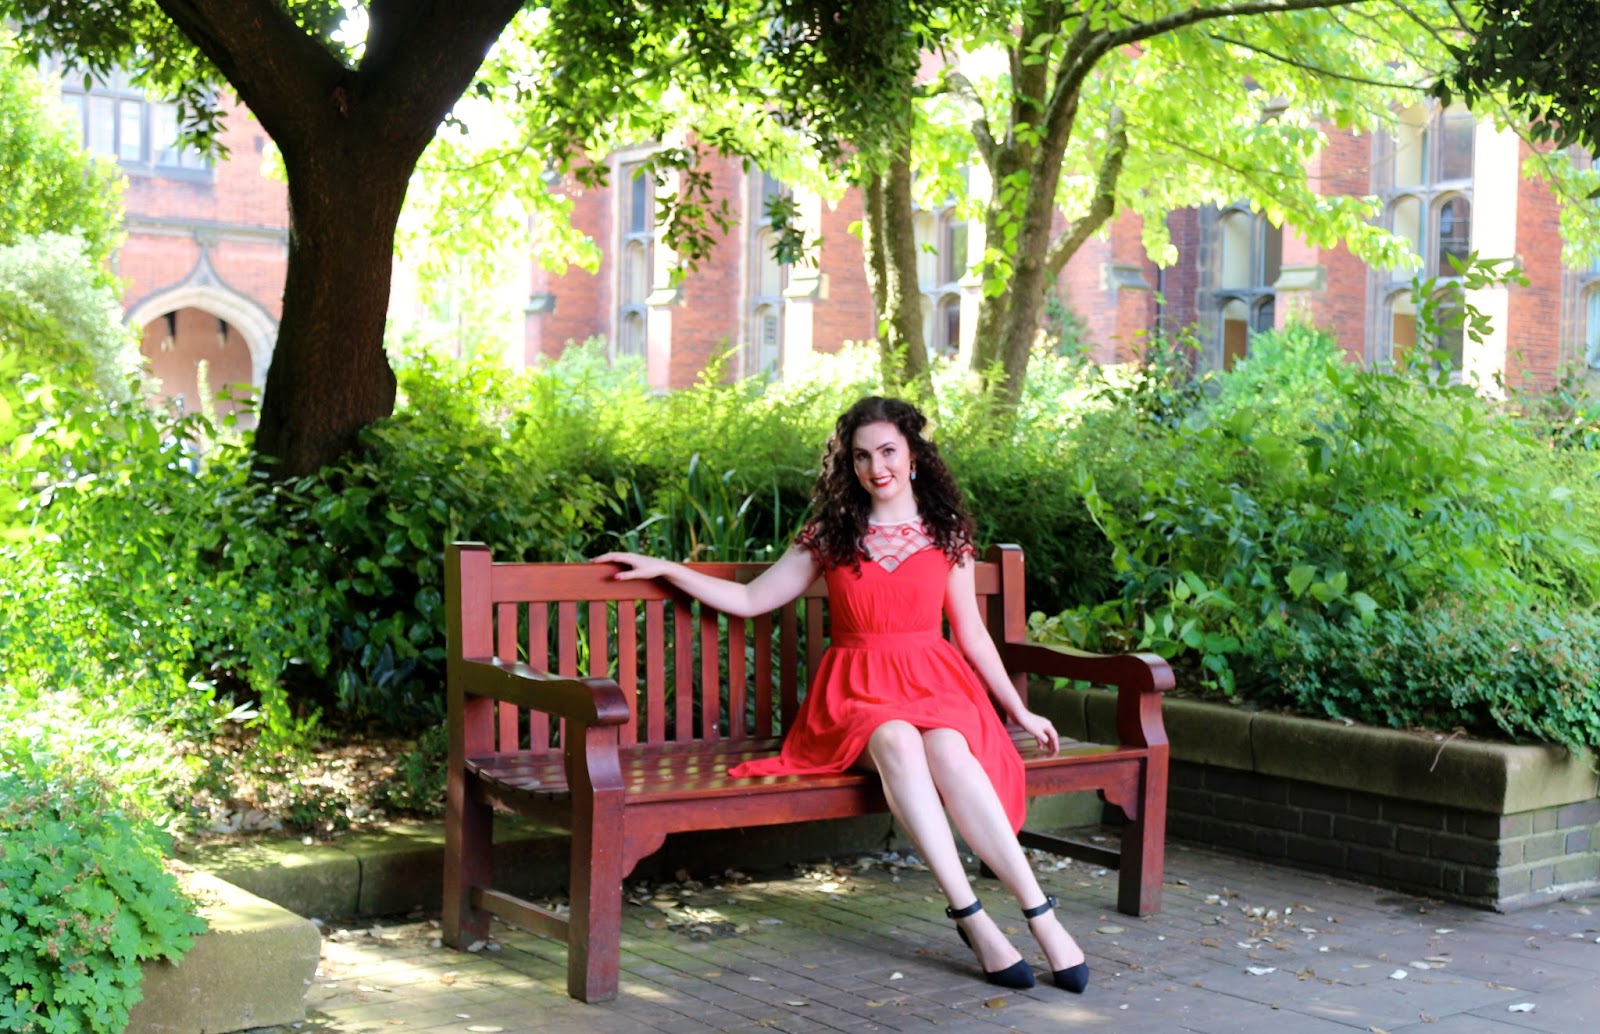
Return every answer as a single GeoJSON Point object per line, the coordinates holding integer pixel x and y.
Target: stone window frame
{"type": "Point", "coordinates": [636, 239]}
{"type": "Point", "coordinates": [1258, 297]}
{"type": "Point", "coordinates": [763, 351]}
{"type": "Point", "coordinates": [1431, 195]}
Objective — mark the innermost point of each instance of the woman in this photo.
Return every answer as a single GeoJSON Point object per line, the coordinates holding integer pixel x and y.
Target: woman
{"type": "Point", "coordinates": [893, 537]}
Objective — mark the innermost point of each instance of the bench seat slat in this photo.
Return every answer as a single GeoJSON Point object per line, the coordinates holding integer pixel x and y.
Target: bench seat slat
{"type": "Point", "coordinates": [686, 771]}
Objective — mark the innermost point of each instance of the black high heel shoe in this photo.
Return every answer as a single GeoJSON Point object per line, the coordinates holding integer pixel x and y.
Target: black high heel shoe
{"type": "Point", "coordinates": [1017, 976]}
{"type": "Point", "coordinates": [1074, 978]}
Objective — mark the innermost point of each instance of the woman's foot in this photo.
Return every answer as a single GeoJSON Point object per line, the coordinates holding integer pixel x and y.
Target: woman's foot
{"type": "Point", "coordinates": [1065, 958]}
{"type": "Point", "coordinates": [986, 940]}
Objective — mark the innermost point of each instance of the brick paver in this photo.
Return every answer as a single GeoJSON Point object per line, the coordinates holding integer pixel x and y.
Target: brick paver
{"type": "Point", "coordinates": [1238, 947]}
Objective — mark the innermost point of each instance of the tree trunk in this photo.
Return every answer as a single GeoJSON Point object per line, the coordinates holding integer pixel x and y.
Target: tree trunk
{"type": "Point", "coordinates": [329, 376]}
{"type": "Point", "coordinates": [350, 138]}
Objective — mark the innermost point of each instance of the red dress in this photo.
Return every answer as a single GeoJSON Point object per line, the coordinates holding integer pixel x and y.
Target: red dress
{"type": "Point", "coordinates": [888, 660]}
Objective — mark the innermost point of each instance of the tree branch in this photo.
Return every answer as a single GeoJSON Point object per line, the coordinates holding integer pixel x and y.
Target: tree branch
{"type": "Point", "coordinates": [1072, 75]}
{"type": "Point", "coordinates": [1314, 69]}
{"type": "Point", "coordinates": [281, 74]}
{"type": "Point", "coordinates": [962, 87]}
{"type": "Point", "coordinates": [1104, 204]}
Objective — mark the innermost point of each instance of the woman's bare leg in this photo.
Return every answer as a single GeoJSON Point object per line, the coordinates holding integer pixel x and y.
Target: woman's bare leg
{"type": "Point", "coordinates": [970, 798]}
{"type": "Point", "coordinates": [896, 751]}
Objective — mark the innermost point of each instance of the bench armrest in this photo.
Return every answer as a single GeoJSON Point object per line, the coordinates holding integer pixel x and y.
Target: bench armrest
{"type": "Point", "coordinates": [1144, 672]}
{"type": "Point", "coordinates": [589, 701]}
{"type": "Point", "coordinates": [1139, 678]}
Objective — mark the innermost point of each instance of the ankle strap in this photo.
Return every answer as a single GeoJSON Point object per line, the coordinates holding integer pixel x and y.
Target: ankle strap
{"type": "Point", "coordinates": [1038, 910]}
{"type": "Point", "coordinates": [962, 913]}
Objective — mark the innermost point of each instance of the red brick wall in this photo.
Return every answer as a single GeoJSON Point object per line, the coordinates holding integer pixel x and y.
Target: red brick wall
{"type": "Point", "coordinates": [242, 211]}
{"type": "Point", "coordinates": [708, 317]}
{"type": "Point", "coordinates": [846, 313]}
{"type": "Point", "coordinates": [1533, 339]}
{"type": "Point", "coordinates": [1344, 166]}
{"type": "Point", "coordinates": [1179, 284]}
{"type": "Point", "coordinates": [583, 300]}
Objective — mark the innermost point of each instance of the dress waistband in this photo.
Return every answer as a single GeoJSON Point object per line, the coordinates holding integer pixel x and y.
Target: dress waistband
{"type": "Point", "coordinates": [868, 640]}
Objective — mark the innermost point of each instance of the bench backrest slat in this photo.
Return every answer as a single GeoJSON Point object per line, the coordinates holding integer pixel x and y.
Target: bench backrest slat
{"type": "Point", "coordinates": [628, 663]}
{"type": "Point", "coordinates": [705, 675]}
{"type": "Point", "coordinates": [655, 670]}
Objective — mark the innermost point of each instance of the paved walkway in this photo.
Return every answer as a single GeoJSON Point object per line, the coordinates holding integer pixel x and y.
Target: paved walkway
{"type": "Point", "coordinates": [863, 946]}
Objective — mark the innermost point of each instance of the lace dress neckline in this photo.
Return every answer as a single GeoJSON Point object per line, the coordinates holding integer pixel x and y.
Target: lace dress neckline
{"type": "Point", "coordinates": [890, 545]}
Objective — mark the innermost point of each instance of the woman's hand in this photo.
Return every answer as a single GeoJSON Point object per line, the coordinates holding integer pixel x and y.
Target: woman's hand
{"type": "Point", "coordinates": [1041, 729]}
{"type": "Point", "coordinates": [637, 565]}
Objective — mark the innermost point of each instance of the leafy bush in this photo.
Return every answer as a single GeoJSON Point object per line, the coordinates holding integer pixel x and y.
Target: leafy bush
{"type": "Point", "coordinates": [58, 315]}
{"type": "Point", "coordinates": [1313, 499]}
{"type": "Point", "coordinates": [128, 567]}
{"type": "Point", "coordinates": [1493, 669]}
{"type": "Point", "coordinates": [84, 896]}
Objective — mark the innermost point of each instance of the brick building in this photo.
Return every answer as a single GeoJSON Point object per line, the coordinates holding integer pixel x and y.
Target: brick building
{"type": "Point", "coordinates": [207, 240]}
{"type": "Point", "coordinates": [1449, 185]}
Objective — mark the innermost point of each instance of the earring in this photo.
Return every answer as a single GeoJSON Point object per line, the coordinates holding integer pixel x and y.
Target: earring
{"type": "Point", "coordinates": [913, 473]}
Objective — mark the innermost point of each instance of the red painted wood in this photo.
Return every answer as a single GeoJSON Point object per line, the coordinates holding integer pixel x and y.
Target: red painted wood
{"type": "Point", "coordinates": [628, 664]}
{"type": "Point", "coordinates": [710, 675]}
{"type": "Point", "coordinates": [656, 669]}
{"type": "Point", "coordinates": [683, 667]}
{"type": "Point", "coordinates": [505, 634]}
{"type": "Point", "coordinates": [538, 657]}
{"type": "Point", "coordinates": [738, 682]}
{"type": "Point", "coordinates": [789, 662]}
{"type": "Point", "coordinates": [763, 686]}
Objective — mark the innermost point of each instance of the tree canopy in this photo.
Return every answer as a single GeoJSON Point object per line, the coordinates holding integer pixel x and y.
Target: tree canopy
{"type": "Point", "coordinates": [1545, 57]}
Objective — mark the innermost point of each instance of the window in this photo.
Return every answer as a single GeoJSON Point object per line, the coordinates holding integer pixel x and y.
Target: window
{"type": "Point", "coordinates": [637, 223]}
{"type": "Point", "coordinates": [1425, 179]}
{"type": "Point", "coordinates": [941, 237]}
{"type": "Point", "coordinates": [1249, 263]}
{"type": "Point", "coordinates": [119, 121]}
{"type": "Point", "coordinates": [1585, 285]}
{"type": "Point", "coordinates": [947, 330]}
{"type": "Point", "coordinates": [768, 278]}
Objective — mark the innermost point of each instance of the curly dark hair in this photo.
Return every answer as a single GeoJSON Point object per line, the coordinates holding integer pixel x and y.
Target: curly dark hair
{"type": "Point", "coordinates": [839, 505]}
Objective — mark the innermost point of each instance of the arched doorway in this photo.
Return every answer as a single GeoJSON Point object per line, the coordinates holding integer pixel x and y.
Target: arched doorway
{"type": "Point", "coordinates": [202, 340]}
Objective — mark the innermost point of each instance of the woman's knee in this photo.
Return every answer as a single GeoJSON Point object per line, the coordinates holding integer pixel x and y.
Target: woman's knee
{"type": "Point", "coordinates": [946, 749]}
{"type": "Point", "coordinates": [894, 742]}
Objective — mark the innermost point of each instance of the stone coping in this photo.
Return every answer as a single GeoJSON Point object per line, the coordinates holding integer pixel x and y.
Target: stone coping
{"type": "Point", "coordinates": [250, 968]}
{"type": "Point", "coordinates": [1433, 768]}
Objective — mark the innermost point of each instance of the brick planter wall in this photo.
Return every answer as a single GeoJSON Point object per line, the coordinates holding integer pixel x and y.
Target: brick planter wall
{"type": "Point", "coordinates": [1493, 825]}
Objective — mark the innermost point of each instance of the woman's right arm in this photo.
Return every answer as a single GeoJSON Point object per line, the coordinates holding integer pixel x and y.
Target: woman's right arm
{"type": "Point", "coordinates": [786, 579]}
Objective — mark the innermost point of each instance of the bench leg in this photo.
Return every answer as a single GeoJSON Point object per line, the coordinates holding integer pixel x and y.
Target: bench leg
{"type": "Point", "coordinates": [594, 925]}
{"type": "Point", "coordinates": [1144, 848]}
{"type": "Point", "coordinates": [468, 847]}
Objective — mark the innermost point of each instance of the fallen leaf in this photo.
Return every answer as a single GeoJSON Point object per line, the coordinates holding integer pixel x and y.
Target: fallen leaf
{"type": "Point", "coordinates": [1110, 929]}
{"type": "Point", "coordinates": [485, 1029]}
{"type": "Point", "coordinates": [795, 1001]}
{"type": "Point", "coordinates": [995, 1003]}
{"type": "Point", "coordinates": [874, 1005]}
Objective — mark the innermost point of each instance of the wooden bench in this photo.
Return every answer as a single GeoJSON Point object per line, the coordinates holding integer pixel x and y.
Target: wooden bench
{"type": "Point", "coordinates": [613, 709]}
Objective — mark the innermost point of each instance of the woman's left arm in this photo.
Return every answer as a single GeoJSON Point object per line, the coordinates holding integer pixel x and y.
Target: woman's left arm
{"type": "Point", "coordinates": [972, 636]}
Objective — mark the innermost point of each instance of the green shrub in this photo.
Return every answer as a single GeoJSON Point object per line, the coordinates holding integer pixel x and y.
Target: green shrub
{"type": "Point", "coordinates": [130, 567]}
{"type": "Point", "coordinates": [1491, 668]}
{"type": "Point", "coordinates": [84, 896]}
{"type": "Point", "coordinates": [60, 317]}
{"type": "Point", "coordinates": [1332, 493]}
